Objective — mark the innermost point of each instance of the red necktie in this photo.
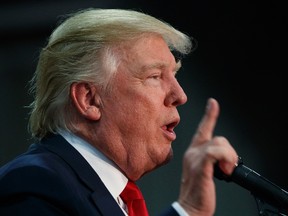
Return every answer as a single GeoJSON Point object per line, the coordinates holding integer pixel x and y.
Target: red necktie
{"type": "Point", "coordinates": [134, 200]}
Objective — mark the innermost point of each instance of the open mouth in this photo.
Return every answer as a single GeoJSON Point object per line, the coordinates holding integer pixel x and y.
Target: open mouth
{"type": "Point", "coordinates": [170, 127]}
{"type": "Point", "coordinates": [169, 130]}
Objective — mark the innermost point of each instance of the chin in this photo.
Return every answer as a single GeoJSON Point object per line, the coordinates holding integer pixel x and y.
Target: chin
{"type": "Point", "coordinates": [168, 158]}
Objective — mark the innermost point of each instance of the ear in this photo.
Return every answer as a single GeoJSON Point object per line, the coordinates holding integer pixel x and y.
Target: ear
{"type": "Point", "coordinates": [86, 99]}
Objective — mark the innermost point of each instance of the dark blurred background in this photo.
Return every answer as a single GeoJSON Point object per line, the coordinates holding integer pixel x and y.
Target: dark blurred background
{"type": "Point", "coordinates": [240, 60]}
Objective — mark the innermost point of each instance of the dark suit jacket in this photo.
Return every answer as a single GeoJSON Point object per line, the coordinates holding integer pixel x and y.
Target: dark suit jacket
{"type": "Point", "coordinates": [52, 178]}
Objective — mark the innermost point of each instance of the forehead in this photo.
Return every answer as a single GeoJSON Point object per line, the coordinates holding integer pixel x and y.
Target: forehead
{"type": "Point", "coordinates": [147, 51]}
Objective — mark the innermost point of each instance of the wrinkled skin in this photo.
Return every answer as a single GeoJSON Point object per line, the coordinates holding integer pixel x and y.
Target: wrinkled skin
{"type": "Point", "coordinates": [133, 124]}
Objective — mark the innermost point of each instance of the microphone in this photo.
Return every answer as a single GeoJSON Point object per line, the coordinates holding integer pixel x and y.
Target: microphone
{"type": "Point", "coordinates": [258, 185]}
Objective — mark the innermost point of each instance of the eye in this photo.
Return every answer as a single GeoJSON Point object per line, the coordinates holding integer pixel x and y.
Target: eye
{"type": "Point", "coordinates": [154, 79]}
{"type": "Point", "coordinates": [155, 76]}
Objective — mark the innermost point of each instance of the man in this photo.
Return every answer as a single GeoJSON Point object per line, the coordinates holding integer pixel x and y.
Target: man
{"type": "Point", "coordinates": [105, 109]}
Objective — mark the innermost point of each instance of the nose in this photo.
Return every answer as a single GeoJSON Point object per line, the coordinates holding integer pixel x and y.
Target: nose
{"type": "Point", "coordinates": [176, 95]}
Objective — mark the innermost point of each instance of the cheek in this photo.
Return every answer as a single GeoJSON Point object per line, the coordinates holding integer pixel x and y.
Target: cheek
{"type": "Point", "coordinates": [141, 113]}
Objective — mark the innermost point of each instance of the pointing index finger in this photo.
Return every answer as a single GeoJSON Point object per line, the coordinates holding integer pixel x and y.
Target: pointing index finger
{"type": "Point", "coordinates": [207, 124]}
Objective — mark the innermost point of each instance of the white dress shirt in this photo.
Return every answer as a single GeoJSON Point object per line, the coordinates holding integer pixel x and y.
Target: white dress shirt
{"type": "Point", "coordinates": [114, 180]}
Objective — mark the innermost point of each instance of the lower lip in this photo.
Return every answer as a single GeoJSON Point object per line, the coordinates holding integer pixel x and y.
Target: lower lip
{"type": "Point", "coordinates": [170, 135]}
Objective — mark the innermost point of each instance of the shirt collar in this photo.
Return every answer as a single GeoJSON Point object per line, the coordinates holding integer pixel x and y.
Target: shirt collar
{"type": "Point", "coordinates": [114, 180]}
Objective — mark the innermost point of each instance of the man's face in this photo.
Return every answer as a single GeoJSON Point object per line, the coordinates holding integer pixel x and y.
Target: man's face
{"type": "Point", "coordinates": [139, 114]}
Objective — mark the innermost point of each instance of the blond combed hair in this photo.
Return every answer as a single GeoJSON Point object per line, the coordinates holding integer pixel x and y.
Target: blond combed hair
{"type": "Point", "coordinates": [80, 49]}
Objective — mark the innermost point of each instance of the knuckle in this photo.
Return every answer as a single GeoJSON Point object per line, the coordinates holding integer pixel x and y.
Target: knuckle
{"type": "Point", "coordinates": [220, 140]}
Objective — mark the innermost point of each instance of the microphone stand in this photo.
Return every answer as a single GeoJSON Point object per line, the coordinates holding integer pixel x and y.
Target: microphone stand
{"type": "Point", "coordinates": [265, 209]}
{"type": "Point", "coordinates": [273, 201]}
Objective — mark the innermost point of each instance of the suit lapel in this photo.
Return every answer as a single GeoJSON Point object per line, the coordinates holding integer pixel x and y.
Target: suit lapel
{"type": "Point", "coordinates": [100, 195]}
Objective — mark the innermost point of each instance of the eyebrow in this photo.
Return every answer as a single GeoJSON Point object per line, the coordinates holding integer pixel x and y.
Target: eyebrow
{"type": "Point", "coordinates": [178, 66]}
{"type": "Point", "coordinates": [162, 65]}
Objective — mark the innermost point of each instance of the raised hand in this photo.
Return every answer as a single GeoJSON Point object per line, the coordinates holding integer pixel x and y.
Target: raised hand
{"type": "Point", "coordinates": [197, 191]}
